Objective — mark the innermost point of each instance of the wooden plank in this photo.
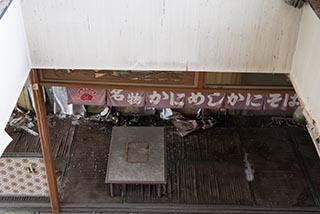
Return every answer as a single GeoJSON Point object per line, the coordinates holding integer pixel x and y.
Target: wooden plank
{"type": "Point", "coordinates": [43, 128]}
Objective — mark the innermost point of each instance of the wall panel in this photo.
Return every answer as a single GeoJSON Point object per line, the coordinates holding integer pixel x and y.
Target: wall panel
{"type": "Point", "coordinates": [14, 64]}
{"type": "Point", "coordinates": [198, 35]}
{"type": "Point", "coordinates": [305, 73]}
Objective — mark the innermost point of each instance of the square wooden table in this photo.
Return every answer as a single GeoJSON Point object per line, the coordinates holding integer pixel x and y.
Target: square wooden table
{"type": "Point", "coordinates": [136, 156]}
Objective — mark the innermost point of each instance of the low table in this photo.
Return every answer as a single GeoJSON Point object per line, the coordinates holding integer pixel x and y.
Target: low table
{"type": "Point", "coordinates": [136, 156]}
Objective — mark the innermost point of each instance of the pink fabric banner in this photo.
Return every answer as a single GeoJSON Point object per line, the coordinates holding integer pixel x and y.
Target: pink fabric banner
{"type": "Point", "coordinates": [86, 96]}
{"type": "Point", "coordinates": [163, 99]}
{"type": "Point", "coordinates": [215, 101]}
{"type": "Point", "coordinates": [205, 100]}
{"type": "Point", "coordinates": [245, 101]}
{"type": "Point", "coordinates": [273, 101]}
{"type": "Point", "coordinates": [283, 102]}
{"type": "Point", "coordinates": [195, 100]}
{"type": "Point", "coordinates": [122, 98]}
{"type": "Point", "coordinates": [291, 102]}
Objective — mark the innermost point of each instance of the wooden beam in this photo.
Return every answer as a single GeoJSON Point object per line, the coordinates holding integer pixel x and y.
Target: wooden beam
{"type": "Point", "coordinates": [43, 129]}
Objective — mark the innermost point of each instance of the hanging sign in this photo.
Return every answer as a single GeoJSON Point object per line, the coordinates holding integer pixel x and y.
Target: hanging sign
{"type": "Point", "coordinates": [169, 99]}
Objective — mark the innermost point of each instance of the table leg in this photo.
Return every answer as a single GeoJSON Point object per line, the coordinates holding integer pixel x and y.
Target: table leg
{"type": "Point", "coordinates": [123, 189]}
{"type": "Point", "coordinates": [159, 190]}
{"type": "Point", "coordinates": [111, 190]}
{"type": "Point", "coordinates": [164, 186]}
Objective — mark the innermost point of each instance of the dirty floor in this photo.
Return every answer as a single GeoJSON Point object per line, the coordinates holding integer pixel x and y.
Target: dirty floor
{"type": "Point", "coordinates": [243, 161]}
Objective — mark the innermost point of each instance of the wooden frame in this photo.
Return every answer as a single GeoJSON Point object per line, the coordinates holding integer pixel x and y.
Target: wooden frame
{"type": "Point", "coordinates": [172, 79]}
{"type": "Point", "coordinates": [38, 80]}
{"type": "Point", "coordinates": [44, 134]}
{"type": "Point", "coordinates": [198, 83]}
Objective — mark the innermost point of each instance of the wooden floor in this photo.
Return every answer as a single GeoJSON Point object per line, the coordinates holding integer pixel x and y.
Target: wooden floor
{"type": "Point", "coordinates": [206, 168]}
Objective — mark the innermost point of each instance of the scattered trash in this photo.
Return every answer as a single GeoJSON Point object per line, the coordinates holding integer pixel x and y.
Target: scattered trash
{"type": "Point", "coordinates": [23, 120]}
{"type": "Point", "coordinates": [115, 119]}
{"type": "Point", "coordinates": [30, 131]}
{"type": "Point", "coordinates": [16, 121]}
{"type": "Point", "coordinates": [133, 121]}
{"type": "Point", "coordinates": [185, 125]}
{"type": "Point", "coordinates": [61, 116]}
{"type": "Point", "coordinates": [166, 113]}
{"type": "Point", "coordinates": [75, 122]}
{"type": "Point", "coordinates": [105, 112]}
{"type": "Point", "coordinates": [108, 116]}
{"type": "Point", "coordinates": [200, 114]}
{"type": "Point", "coordinates": [95, 117]}
{"type": "Point", "coordinates": [61, 106]}
{"type": "Point", "coordinates": [249, 172]}
{"type": "Point", "coordinates": [284, 121]}
{"type": "Point", "coordinates": [207, 123]}
{"type": "Point", "coordinates": [30, 125]}
{"type": "Point", "coordinates": [150, 111]}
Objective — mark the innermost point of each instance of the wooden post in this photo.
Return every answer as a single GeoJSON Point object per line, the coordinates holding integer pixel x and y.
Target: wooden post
{"type": "Point", "coordinates": [43, 129]}
{"type": "Point", "coordinates": [201, 78]}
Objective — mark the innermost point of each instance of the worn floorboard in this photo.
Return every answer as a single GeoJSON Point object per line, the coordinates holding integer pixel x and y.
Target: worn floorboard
{"type": "Point", "coordinates": [206, 167]}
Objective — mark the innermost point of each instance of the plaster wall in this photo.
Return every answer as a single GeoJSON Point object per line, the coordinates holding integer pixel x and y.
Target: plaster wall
{"type": "Point", "coordinates": [198, 35]}
{"type": "Point", "coordinates": [305, 73]}
{"type": "Point", "coordinates": [14, 64]}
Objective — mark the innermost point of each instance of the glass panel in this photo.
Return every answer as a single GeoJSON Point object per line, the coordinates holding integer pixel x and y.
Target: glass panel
{"type": "Point", "coordinates": [246, 79]}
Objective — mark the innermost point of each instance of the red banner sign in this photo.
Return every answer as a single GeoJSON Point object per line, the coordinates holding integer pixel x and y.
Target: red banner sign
{"type": "Point", "coordinates": [164, 99]}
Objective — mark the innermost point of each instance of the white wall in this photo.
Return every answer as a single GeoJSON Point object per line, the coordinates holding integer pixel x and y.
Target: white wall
{"type": "Point", "coordinates": [306, 68]}
{"type": "Point", "coordinates": [214, 35]}
{"type": "Point", "coordinates": [14, 65]}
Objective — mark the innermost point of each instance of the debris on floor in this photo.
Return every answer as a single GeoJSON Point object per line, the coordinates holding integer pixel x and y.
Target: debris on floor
{"type": "Point", "coordinates": [284, 121]}
{"type": "Point", "coordinates": [61, 105]}
{"type": "Point", "coordinates": [248, 170]}
{"type": "Point", "coordinates": [236, 162]}
{"type": "Point", "coordinates": [23, 120]}
{"type": "Point", "coordinates": [166, 113]}
{"type": "Point", "coordinates": [106, 111]}
{"type": "Point", "coordinates": [185, 125]}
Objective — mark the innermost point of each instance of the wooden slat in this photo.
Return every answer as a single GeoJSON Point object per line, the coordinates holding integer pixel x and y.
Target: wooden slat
{"type": "Point", "coordinates": [45, 140]}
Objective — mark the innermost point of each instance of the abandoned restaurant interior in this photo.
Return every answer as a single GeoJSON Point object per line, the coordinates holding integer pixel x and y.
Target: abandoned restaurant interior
{"type": "Point", "coordinates": [164, 106]}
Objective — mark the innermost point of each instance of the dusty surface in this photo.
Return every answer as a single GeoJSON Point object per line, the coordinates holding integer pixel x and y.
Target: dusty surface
{"type": "Point", "coordinates": [242, 161]}
{"type": "Point", "coordinates": [136, 156]}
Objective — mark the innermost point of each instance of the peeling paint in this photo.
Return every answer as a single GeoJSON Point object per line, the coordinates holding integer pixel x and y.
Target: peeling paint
{"type": "Point", "coordinates": [219, 35]}
{"type": "Point", "coordinates": [305, 75]}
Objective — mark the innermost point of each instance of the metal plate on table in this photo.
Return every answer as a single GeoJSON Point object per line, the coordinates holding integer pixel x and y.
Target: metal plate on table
{"type": "Point", "coordinates": [137, 155]}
